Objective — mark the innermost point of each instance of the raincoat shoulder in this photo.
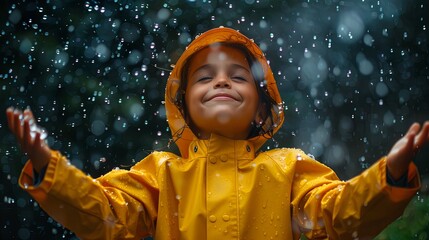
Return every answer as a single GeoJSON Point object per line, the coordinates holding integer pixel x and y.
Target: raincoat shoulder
{"type": "Point", "coordinates": [100, 208]}
{"type": "Point", "coordinates": [323, 206]}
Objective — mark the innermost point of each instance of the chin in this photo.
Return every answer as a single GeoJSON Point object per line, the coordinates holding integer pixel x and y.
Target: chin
{"type": "Point", "coordinates": [224, 118]}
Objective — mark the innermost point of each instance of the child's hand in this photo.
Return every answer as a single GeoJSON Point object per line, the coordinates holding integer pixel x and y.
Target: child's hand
{"type": "Point", "coordinates": [404, 150]}
{"type": "Point", "coordinates": [29, 136]}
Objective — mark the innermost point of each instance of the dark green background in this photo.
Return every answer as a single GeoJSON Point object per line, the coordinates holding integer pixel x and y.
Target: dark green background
{"type": "Point", "coordinates": [353, 76]}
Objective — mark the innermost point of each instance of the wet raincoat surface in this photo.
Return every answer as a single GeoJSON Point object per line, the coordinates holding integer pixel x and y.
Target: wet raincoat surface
{"type": "Point", "coordinates": [220, 188]}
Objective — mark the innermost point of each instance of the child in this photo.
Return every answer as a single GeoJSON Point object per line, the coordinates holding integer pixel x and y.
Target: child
{"type": "Point", "coordinates": [222, 104]}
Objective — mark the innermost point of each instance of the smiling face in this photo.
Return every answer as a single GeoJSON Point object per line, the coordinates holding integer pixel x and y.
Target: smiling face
{"type": "Point", "coordinates": [221, 95]}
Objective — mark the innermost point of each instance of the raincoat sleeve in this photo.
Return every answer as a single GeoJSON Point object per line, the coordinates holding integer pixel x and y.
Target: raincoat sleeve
{"type": "Point", "coordinates": [359, 208]}
{"type": "Point", "coordinates": [120, 205]}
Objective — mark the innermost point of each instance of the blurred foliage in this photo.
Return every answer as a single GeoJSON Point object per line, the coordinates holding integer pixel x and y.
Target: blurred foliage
{"type": "Point", "coordinates": [353, 76]}
{"type": "Point", "coordinates": [414, 224]}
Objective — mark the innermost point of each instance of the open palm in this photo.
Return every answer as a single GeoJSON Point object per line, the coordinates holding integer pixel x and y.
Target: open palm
{"type": "Point", "coordinates": [404, 150]}
{"type": "Point", "coordinates": [29, 136]}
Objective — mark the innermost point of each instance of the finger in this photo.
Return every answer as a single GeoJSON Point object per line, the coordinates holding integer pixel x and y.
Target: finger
{"type": "Point", "coordinates": [414, 129]}
{"type": "Point", "coordinates": [422, 137]}
{"type": "Point", "coordinates": [17, 116]}
{"type": "Point", "coordinates": [27, 141]}
{"type": "Point", "coordinates": [29, 113]}
{"type": "Point", "coordinates": [410, 146]}
{"type": "Point", "coordinates": [9, 114]}
{"type": "Point", "coordinates": [38, 142]}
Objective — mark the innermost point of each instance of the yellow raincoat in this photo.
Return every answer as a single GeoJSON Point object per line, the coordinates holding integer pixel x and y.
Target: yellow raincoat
{"type": "Point", "coordinates": [220, 188]}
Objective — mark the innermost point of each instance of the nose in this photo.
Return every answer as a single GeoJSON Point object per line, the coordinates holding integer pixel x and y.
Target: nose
{"type": "Point", "coordinates": [222, 81]}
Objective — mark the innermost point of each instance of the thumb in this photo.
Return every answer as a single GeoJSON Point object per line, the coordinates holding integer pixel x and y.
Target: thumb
{"type": "Point", "coordinates": [414, 129]}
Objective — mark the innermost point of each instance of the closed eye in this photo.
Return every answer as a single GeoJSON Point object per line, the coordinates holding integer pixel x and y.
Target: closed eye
{"type": "Point", "coordinates": [202, 79]}
{"type": "Point", "coordinates": [239, 78]}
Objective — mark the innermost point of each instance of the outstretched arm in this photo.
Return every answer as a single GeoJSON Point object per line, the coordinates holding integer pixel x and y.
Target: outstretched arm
{"type": "Point", "coordinates": [29, 136]}
{"type": "Point", "coordinates": [404, 150]}
{"type": "Point", "coordinates": [364, 205]}
{"type": "Point", "coordinates": [107, 208]}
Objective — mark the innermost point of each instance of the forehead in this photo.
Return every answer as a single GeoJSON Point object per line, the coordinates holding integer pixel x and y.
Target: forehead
{"type": "Point", "coordinates": [217, 54]}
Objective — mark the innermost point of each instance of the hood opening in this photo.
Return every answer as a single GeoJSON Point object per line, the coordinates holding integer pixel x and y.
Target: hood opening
{"type": "Point", "coordinates": [264, 79]}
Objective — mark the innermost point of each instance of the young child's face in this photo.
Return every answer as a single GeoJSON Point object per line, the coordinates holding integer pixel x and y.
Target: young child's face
{"type": "Point", "coordinates": [221, 95]}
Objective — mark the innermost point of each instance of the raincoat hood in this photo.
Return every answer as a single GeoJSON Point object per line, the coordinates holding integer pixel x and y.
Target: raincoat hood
{"type": "Point", "coordinates": [182, 134]}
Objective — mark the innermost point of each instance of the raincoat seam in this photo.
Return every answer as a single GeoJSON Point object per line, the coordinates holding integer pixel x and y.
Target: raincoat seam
{"type": "Point", "coordinates": [237, 191]}
{"type": "Point", "coordinates": [275, 162]}
{"type": "Point", "coordinates": [161, 162]}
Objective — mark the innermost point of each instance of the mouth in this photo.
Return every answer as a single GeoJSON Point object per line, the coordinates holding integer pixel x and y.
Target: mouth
{"type": "Point", "coordinates": [222, 97]}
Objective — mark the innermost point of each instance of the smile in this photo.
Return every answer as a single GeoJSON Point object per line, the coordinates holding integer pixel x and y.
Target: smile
{"type": "Point", "coordinates": [222, 97]}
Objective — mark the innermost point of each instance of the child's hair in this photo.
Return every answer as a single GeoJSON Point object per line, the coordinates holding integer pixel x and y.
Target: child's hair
{"type": "Point", "coordinates": [266, 102]}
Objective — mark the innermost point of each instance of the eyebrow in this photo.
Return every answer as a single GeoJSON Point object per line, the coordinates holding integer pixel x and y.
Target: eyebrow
{"type": "Point", "coordinates": [209, 66]}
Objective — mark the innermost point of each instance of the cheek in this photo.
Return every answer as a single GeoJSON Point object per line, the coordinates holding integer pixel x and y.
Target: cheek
{"type": "Point", "coordinates": [253, 99]}
{"type": "Point", "coordinates": [192, 100]}
{"type": "Point", "coordinates": [195, 93]}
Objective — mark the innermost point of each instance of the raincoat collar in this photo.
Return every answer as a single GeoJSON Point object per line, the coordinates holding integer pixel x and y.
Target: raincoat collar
{"type": "Point", "coordinates": [222, 149]}
{"type": "Point", "coordinates": [182, 134]}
